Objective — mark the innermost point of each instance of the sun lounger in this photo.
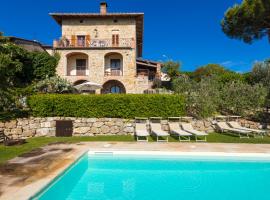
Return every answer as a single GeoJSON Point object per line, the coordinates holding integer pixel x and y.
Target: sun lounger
{"type": "Point", "coordinates": [158, 132]}
{"type": "Point", "coordinates": [256, 132]}
{"type": "Point", "coordinates": [224, 127]}
{"type": "Point", "coordinates": [141, 131]}
{"type": "Point", "coordinates": [176, 130]}
{"type": "Point", "coordinates": [198, 134]}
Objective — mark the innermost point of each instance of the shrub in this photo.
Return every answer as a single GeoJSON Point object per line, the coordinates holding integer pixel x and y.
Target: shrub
{"type": "Point", "coordinates": [54, 84]}
{"type": "Point", "coordinates": [114, 106]}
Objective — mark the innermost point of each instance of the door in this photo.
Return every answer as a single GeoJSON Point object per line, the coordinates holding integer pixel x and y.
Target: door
{"type": "Point", "coordinates": [64, 128]}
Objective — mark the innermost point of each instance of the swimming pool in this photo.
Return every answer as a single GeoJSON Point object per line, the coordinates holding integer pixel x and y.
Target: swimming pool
{"type": "Point", "coordinates": [130, 177]}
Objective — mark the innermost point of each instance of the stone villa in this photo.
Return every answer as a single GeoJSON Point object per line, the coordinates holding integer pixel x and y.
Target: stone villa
{"type": "Point", "coordinates": [104, 48]}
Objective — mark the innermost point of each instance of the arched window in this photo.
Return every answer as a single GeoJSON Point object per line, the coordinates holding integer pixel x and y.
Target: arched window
{"type": "Point", "coordinates": [115, 90]}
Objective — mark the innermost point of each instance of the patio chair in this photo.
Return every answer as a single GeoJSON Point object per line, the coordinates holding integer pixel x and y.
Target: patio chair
{"type": "Point", "coordinates": [224, 127]}
{"type": "Point", "coordinates": [256, 132]}
{"type": "Point", "coordinates": [175, 129]}
{"type": "Point", "coordinates": [198, 134]}
{"type": "Point", "coordinates": [157, 130]}
{"type": "Point", "coordinates": [141, 129]}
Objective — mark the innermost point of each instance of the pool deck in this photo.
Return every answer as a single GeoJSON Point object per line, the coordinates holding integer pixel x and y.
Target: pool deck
{"type": "Point", "coordinates": [23, 177]}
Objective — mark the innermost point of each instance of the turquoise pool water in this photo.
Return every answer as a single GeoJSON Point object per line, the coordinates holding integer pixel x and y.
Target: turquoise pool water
{"type": "Point", "coordinates": [161, 178]}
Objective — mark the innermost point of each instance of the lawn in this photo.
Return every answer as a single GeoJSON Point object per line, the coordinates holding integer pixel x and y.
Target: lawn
{"type": "Point", "coordinates": [7, 153]}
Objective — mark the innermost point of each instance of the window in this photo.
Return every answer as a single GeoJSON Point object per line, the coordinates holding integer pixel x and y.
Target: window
{"type": "Point", "coordinates": [115, 90]}
{"type": "Point", "coordinates": [115, 64]}
{"type": "Point", "coordinates": [80, 64]}
{"type": "Point", "coordinates": [81, 40]}
{"type": "Point", "coordinates": [115, 39]}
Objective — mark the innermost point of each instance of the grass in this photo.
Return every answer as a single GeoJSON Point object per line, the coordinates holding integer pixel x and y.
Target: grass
{"type": "Point", "coordinates": [7, 153]}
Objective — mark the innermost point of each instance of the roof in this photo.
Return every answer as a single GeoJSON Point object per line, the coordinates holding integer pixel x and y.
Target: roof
{"type": "Point", "coordinates": [139, 17]}
{"type": "Point", "coordinates": [150, 63]}
{"type": "Point", "coordinates": [25, 42]}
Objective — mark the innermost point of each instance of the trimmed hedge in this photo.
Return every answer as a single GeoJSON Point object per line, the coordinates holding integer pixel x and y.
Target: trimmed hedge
{"type": "Point", "coordinates": [112, 106]}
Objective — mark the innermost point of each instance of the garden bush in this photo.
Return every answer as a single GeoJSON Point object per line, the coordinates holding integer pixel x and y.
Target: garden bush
{"type": "Point", "coordinates": [114, 106]}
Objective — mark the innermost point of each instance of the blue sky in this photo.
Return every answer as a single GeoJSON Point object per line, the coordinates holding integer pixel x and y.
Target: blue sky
{"type": "Point", "coordinates": [182, 30]}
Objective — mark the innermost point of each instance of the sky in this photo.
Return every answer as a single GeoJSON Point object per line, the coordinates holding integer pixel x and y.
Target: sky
{"type": "Point", "coordinates": [182, 30]}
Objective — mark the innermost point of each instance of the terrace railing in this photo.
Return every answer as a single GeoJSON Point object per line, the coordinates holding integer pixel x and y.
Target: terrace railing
{"type": "Point", "coordinates": [93, 43]}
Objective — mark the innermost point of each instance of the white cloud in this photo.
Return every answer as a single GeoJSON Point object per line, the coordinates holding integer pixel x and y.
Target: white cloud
{"type": "Point", "coordinates": [230, 63]}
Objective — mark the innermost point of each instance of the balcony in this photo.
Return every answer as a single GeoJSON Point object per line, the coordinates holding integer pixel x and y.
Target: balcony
{"type": "Point", "coordinates": [94, 43]}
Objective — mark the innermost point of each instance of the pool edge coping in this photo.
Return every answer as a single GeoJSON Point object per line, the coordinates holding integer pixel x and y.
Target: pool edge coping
{"type": "Point", "coordinates": [177, 153]}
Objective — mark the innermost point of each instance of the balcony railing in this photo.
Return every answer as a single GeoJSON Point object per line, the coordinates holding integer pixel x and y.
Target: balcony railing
{"type": "Point", "coordinates": [113, 72]}
{"type": "Point", "coordinates": [93, 43]}
{"type": "Point", "coordinates": [78, 73]}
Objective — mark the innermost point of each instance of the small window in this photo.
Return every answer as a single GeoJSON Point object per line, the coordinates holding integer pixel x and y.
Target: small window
{"type": "Point", "coordinates": [115, 39]}
{"type": "Point", "coordinates": [81, 21]}
{"type": "Point", "coordinates": [81, 40]}
{"type": "Point", "coordinates": [115, 90]}
{"type": "Point", "coordinates": [115, 20]}
{"type": "Point", "coordinates": [115, 63]}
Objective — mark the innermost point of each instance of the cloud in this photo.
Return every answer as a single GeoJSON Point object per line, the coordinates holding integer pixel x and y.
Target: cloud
{"type": "Point", "coordinates": [230, 64]}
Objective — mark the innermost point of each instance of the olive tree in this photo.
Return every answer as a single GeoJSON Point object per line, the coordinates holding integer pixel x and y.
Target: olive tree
{"type": "Point", "coordinates": [241, 98]}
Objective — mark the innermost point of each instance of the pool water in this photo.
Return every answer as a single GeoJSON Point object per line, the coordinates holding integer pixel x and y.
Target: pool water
{"type": "Point", "coordinates": [161, 178]}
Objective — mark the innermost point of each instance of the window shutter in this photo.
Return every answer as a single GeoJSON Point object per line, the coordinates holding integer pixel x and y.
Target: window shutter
{"type": "Point", "coordinates": [113, 40]}
{"type": "Point", "coordinates": [117, 40]}
{"type": "Point", "coordinates": [73, 40]}
{"type": "Point", "coordinates": [88, 40]}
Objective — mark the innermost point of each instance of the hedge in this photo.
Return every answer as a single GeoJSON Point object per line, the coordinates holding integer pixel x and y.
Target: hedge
{"type": "Point", "coordinates": [112, 106]}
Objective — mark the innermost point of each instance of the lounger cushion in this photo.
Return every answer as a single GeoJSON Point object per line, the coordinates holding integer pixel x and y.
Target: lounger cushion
{"type": "Point", "coordinates": [238, 126]}
{"type": "Point", "coordinates": [224, 126]}
{"type": "Point", "coordinates": [157, 130]}
{"type": "Point", "coordinates": [188, 127]}
{"type": "Point", "coordinates": [181, 132]}
{"type": "Point", "coordinates": [160, 133]}
{"type": "Point", "coordinates": [141, 133]}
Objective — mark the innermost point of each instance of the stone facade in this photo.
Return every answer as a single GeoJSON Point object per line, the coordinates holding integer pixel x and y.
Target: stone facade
{"type": "Point", "coordinates": [37, 127]}
{"type": "Point", "coordinates": [96, 67]}
{"type": "Point", "coordinates": [100, 32]}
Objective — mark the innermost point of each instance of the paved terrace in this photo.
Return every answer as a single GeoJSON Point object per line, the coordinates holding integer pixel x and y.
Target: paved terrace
{"type": "Point", "coordinates": [24, 176]}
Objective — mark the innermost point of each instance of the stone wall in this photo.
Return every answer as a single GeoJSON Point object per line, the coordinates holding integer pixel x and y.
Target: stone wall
{"type": "Point", "coordinates": [36, 127]}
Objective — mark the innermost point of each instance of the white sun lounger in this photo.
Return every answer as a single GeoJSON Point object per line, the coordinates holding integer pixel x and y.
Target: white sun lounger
{"type": "Point", "coordinates": [158, 132]}
{"type": "Point", "coordinates": [188, 128]}
{"type": "Point", "coordinates": [257, 132]}
{"type": "Point", "coordinates": [176, 130]}
{"type": "Point", "coordinates": [224, 127]}
{"type": "Point", "coordinates": [141, 132]}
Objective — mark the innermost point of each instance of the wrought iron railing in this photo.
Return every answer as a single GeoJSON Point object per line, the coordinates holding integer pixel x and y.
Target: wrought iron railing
{"type": "Point", "coordinates": [93, 43]}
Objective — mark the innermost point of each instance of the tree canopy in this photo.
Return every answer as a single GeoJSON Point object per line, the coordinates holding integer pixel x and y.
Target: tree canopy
{"type": "Point", "coordinates": [248, 21]}
{"type": "Point", "coordinates": [171, 68]}
{"type": "Point", "coordinates": [19, 69]}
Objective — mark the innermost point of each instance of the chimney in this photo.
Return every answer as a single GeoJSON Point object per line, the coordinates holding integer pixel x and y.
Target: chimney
{"type": "Point", "coordinates": [103, 8]}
